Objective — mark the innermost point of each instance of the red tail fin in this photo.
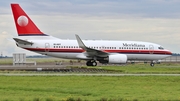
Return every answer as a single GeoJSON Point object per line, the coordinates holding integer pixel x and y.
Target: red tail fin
{"type": "Point", "coordinates": [24, 24]}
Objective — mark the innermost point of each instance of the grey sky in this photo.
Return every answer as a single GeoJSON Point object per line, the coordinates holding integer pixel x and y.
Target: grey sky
{"type": "Point", "coordinates": [155, 21]}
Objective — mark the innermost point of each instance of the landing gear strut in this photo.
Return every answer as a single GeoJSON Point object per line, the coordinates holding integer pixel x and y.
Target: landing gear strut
{"type": "Point", "coordinates": [91, 63]}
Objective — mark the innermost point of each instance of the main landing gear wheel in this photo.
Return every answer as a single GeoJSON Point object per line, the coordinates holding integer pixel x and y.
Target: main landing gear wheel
{"type": "Point", "coordinates": [94, 63]}
{"type": "Point", "coordinates": [151, 64]}
{"type": "Point", "coordinates": [91, 63]}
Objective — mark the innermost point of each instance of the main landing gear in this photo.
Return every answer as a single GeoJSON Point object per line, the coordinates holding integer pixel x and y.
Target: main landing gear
{"type": "Point", "coordinates": [91, 63]}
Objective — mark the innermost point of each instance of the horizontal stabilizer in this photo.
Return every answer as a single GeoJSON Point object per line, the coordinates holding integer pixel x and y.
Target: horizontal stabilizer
{"type": "Point", "coordinates": [20, 41]}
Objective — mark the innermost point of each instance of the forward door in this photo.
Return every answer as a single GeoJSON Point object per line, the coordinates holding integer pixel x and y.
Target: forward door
{"type": "Point", "coordinates": [151, 49]}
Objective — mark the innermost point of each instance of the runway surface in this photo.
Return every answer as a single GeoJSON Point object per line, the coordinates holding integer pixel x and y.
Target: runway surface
{"type": "Point", "coordinates": [58, 74]}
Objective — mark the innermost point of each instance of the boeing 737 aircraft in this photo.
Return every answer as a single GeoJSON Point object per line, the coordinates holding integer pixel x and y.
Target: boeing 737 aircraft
{"type": "Point", "coordinates": [115, 52]}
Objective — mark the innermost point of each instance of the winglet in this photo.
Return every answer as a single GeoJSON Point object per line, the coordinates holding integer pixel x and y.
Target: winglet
{"type": "Point", "coordinates": [81, 44]}
{"type": "Point", "coordinates": [90, 51]}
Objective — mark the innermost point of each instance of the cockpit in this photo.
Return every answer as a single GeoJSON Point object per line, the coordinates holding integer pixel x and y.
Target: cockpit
{"type": "Point", "coordinates": [161, 48]}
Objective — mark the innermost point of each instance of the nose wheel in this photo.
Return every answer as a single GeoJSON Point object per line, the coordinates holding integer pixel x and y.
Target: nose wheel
{"type": "Point", "coordinates": [91, 63]}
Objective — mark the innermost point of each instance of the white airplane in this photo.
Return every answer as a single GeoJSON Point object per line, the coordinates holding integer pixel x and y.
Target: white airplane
{"type": "Point", "coordinates": [113, 52]}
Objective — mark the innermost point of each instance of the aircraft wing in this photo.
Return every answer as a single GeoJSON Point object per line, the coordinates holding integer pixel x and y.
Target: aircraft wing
{"type": "Point", "coordinates": [22, 41]}
{"type": "Point", "coordinates": [90, 51]}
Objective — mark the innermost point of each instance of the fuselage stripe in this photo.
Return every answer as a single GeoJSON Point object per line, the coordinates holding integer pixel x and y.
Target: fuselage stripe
{"type": "Point", "coordinates": [109, 51]}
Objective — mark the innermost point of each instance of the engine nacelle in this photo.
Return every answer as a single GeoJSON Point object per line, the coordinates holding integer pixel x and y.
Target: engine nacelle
{"type": "Point", "coordinates": [117, 58]}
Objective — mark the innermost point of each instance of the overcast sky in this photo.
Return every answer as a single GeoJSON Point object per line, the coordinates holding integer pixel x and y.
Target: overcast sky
{"type": "Point", "coordinates": [156, 21]}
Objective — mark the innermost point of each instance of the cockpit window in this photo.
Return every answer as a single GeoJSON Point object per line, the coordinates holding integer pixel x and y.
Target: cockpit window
{"type": "Point", "coordinates": [161, 48]}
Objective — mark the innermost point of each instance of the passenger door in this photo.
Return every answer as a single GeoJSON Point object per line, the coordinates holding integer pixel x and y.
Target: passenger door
{"type": "Point", "coordinates": [151, 49]}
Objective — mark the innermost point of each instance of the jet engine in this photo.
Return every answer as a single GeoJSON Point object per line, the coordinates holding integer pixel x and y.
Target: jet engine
{"type": "Point", "coordinates": [117, 58]}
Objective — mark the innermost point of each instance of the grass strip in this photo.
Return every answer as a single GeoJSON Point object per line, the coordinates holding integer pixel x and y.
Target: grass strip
{"type": "Point", "coordinates": [91, 88]}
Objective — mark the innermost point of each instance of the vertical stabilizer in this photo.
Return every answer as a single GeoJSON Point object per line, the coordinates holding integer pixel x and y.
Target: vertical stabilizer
{"type": "Point", "coordinates": [24, 25]}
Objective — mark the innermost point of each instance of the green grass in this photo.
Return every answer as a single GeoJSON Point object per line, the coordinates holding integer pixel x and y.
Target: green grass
{"type": "Point", "coordinates": [141, 68]}
{"type": "Point", "coordinates": [98, 88]}
{"type": "Point", "coordinates": [9, 61]}
{"type": "Point", "coordinates": [6, 61]}
{"type": "Point", "coordinates": [59, 88]}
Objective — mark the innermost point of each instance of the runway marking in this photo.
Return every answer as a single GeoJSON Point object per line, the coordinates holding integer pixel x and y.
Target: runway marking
{"type": "Point", "coordinates": [9, 74]}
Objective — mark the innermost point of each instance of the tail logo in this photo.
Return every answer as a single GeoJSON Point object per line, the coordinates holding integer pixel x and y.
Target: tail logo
{"type": "Point", "coordinates": [22, 21]}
